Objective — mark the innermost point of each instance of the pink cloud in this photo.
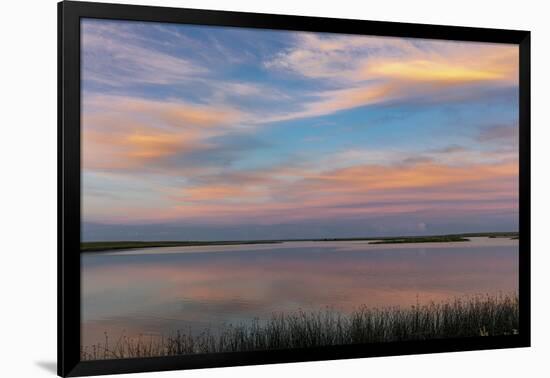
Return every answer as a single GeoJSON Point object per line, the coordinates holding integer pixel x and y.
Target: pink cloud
{"type": "Point", "coordinates": [365, 190]}
{"type": "Point", "coordinates": [124, 133]}
{"type": "Point", "coordinates": [371, 70]}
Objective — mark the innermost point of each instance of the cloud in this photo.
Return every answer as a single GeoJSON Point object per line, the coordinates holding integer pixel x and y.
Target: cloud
{"type": "Point", "coordinates": [347, 193]}
{"type": "Point", "coordinates": [224, 193]}
{"type": "Point", "coordinates": [451, 155]}
{"type": "Point", "coordinates": [178, 140]}
{"type": "Point", "coordinates": [132, 149]}
{"type": "Point", "coordinates": [115, 58]}
{"type": "Point", "coordinates": [352, 59]}
{"type": "Point", "coordinates": [362, 71]}
{"type": "Point", "coordinates": [451, 149]}
{"type": "Point", "coordinates": [507, 134]}
{"type": "Point", "coordinates": [372, 177]}
{"type": "Point", "coordinates": [174, 113]}
{"type": "Point", "coordinates": [492, 64]}
{"type": "Point", "coordinates": [333, 101]}
{"type": "Point", "coordinates": [121, 133]}
{"type": "Point", "coordinates": [171, 137]}
{"type": "Point", "coordinates": [315, 56]}
{"type": "Point", "coordinates": [352, 71]}
{"type": "Point", "coordinates": [126, 57]}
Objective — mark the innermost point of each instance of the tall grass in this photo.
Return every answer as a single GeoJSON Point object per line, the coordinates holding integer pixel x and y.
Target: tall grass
{"type": "Point", "coordinates": [460, 317]}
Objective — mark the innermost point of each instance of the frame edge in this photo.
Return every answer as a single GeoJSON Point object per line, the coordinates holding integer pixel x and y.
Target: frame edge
{"type": "Point", "coordinates": [69, 13]}
{"type": "Point", "coordinates": [525, 185]}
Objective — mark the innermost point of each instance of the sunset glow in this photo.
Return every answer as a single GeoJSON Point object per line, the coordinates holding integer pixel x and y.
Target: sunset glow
{"type": "Point", "coordinates": [228, 133]}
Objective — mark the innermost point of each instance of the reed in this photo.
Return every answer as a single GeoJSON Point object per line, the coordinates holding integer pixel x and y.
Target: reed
{"type": "Point", "coordinates": [482, 315]}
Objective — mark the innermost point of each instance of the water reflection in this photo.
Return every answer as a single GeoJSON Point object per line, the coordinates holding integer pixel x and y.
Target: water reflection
{"type": "Point", "coordinates": [157, 291]}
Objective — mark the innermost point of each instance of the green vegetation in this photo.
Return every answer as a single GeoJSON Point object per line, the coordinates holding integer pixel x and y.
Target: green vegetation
{"type": "Point", "coordinates": [117, 245]}
{"type": "Point", "coordinates": [511, 235]}
{"type": "Point", "coordinates": [461, 317]}
{"type": "Point", "coordinates": [490, 234]}
{"type": "Point", "coordinates": [108, 246]}
{"type": "Point", "coordinates": [422, 239]}
{"type": "Point", "coordinates": [444, 238]}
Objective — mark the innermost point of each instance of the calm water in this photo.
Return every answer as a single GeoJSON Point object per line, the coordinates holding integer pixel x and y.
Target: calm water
{"type": "Point", "coordinates": [160, 290]}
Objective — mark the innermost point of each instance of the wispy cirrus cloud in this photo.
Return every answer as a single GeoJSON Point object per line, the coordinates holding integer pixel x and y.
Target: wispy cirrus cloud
{"type": "Point", "coordinates": [188, 124]}
{"type": "Point", "coordinates": [114, 58]}
{"type": "Point", "coordinates": [353, 59]}
{"type": "Point", "coordinates": [451, 155]}
{"type": "Point", "coordinates": [164, 113]}
{"type": "Point", "coordinates": [362, 71]}
{"type": "Point", "coordinates": [501, 134]}
{"type": "Point", "coordinates": [361, 190]}
{"type": "Point", "coordinates": [122, 57]}
{"type": "Point", "coordinates": [125, 133]}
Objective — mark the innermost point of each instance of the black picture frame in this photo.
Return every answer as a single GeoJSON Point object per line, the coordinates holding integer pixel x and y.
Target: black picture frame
{"type": "Point", "coordinates": [69, 189]}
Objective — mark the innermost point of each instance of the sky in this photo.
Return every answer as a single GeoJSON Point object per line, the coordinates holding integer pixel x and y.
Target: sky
{"type": "Point", "coordinates": [216, 133]}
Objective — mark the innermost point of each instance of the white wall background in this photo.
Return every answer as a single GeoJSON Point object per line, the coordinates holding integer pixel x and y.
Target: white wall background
{"type": "Point", "coordinates": [28, 186]}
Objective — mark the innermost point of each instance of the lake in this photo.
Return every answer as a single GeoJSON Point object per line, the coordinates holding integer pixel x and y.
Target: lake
{"type": "Point", "coordinates": [156, 291]}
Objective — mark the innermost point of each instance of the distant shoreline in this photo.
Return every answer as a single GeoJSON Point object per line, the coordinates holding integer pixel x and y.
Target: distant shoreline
{"type": "Point", "coordinates": [105, 246]}
{"type": "Point", "coordinates": [122, 245]}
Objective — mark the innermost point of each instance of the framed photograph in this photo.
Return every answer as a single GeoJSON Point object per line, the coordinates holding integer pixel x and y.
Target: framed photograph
{"type": "Point", "coordinates": [239, 188]}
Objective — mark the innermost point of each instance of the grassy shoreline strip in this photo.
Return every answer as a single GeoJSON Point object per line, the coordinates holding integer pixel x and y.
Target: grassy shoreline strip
{"type": "Point", "coordinates": [460, 317]}
{"type": "Point", "coordinates": [428, 239]}
{"type": "Point", "coordinates": [108, 246]}
{"type": "Point", "coordinates": [103, 246]}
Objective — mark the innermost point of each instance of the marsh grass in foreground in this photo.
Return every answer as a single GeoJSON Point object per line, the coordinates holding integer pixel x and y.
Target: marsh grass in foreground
{"type": "Point", "coordinates": [461, 317]}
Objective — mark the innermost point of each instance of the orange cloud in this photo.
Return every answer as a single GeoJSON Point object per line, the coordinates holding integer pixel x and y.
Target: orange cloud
{"type": "Point", "coordinates": [478, 64]}
{"type": "Point", "coordinates": [427, 70]}
{"type": "Point", "coordinates": [417, 176]}
{"type": "Point", "coordinates": [121, 133]}
{"type": "Point", "coordinates": [370, 70]}
{"type": "Point", "coordinates": [223, 193]}
{"type": "Point", "coordinates": [349, 192]}
{"type": "Point", "coordinates": [167, 112]}
{"type": "Point", "coordinates": [132, 147]}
